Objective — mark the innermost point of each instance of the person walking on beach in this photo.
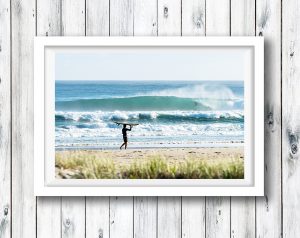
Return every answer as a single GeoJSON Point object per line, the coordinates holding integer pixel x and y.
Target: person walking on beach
{"type": "Point", "coordinates": [124, 132]}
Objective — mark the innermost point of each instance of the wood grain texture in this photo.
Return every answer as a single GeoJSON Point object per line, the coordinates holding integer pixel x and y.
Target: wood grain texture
{"type": "Point", "coordinates": [169, 17]}
{"type": "Point", "coordinates": [169, 217]}
{"type": "Point", "coordinates": [97, 17]}
{"type": "Point", "coordinates": [23, 201]}
{"type": "Point", "coordinates": [193, 17]}
{"type": "Point", "coordinates": [48, 209]}
{"type": "Point", "coordinates": [73, 17]}
{"type": "Point", "coordinates": [242, 208]}
{"type": "Point", "coordinates": [193, 217]}
{"type": "Point", "coordinates": [145, 217]}
{"type": "Point", "coordinates": [97, 217]}
{"type": "Point", "coordinates": [290, 117]}
{"type": "Point", "coordinates": [217, 217]}
{"type": "Point", "coordinates": [48, 221]}
{"type": "Point", "coordinates": [121, 17]}
{"type": "Point", "coordinates": [145, 17]}
{"type": "Point", "coordinates": [49, 22]}
{"type": "Point", "coordinates": [268, 208]}
{"type": "Point", "coordinates": [121, 217]}
{"type": "Point", "coordinates": [5, 120]}
{"type": "Point", "coordinates": [242, 217]}
{"type": "Point", "coordinates": [242, 17]}
{"type": "Point", "coordinates": [218, 208]}
{"type": "Point", "coordinates": [73, 217]}
{"type": "Point", "coordinates": [218, 17]}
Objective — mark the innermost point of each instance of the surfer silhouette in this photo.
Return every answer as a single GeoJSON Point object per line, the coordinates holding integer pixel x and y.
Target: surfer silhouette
{"type": "Point", "coordinates": [124, 132]}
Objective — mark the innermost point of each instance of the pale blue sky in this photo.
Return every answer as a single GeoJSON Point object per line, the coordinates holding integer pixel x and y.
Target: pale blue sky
{"type": "Point", "coordinates": [153, 64]}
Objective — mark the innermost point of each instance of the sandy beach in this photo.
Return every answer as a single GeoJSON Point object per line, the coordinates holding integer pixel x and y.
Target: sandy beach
{"type": "Point", "coordinates": [121, 159]}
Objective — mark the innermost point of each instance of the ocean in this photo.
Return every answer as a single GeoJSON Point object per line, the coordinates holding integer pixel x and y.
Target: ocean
{"type": "Point", "coordinates": [169, 113]}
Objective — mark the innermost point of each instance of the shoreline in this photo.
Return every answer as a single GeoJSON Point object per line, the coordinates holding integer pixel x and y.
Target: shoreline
{"type": "Point", "coordinates": [166, 146]}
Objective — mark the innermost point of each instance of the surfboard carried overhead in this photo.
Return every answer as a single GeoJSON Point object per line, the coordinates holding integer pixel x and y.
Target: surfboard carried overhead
{"type": "Point", "coordinates": [125, 123]}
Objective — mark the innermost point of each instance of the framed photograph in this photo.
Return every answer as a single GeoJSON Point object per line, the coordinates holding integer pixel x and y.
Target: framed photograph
{"type": "Point", "coordinates": [149, 116]}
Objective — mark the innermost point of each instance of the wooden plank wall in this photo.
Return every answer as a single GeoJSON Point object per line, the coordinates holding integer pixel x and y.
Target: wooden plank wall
{"type": "Point", "coordinates": [274, 215]}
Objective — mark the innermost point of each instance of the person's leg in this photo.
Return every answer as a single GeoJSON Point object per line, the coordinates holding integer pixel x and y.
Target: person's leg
{"type": "Point", "coordinates": [122, 145]}
{"type": "Point", "coordinates": [125, 145]}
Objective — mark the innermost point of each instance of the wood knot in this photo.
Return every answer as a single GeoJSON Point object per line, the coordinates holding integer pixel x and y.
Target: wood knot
{"type": "Point", "coordinates": [270, 120]}
{"type": "Point", "coordinates": [198, 22]}
{"type": "Point", "coordinates": [166, 12]}
{"type": "Point", "coordinates": [68, 222]}
{"type": "Point", "coordinates": [260, 33]}
{"type": "Point", "coordinates": [292, 54]}
{"type": "Point", "coordinates": [293, 140]}
{"type": "Point", "coordinates": [267, 203]}
{"type": "Point", "coordinates": [6, 209]}
{"type": "Point", "coordinates": [294, 149]}
{"type": "Point", "coordinates": [100, 233]}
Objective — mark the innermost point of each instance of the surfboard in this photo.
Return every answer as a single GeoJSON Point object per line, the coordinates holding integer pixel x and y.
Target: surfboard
{"type": "Point", "coordinates": [125, 123]}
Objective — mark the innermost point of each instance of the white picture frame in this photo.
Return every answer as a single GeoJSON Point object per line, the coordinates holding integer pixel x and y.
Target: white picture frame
{"type": "Point", "coordinates": [45, 183]}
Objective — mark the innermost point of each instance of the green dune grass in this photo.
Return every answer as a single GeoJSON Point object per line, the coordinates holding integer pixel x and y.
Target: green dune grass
{"type": "Point", "coordinates": [87, 166]}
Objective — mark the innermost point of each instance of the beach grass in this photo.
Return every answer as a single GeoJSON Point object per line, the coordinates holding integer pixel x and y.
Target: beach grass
{"type": "Point", "coordinates": [84, 165]}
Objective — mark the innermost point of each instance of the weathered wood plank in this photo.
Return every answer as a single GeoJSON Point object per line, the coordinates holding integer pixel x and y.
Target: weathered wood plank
{"type": "Point", "coordinates": [169, 217]}
{"type": "Point", "coordinates": [193, 208]}
{"type": "Point", "coordinates": [242, 17]}
{"type": "Point", "coordinates": [121, 17]}
{"type": "Point", "coordinates": [121, 217]}
{"type": "Point", "coordinates": [218, 208]}
{"type": "Point", "coordinates": [145, 217]}
{"type": "Point", "coordinates": [97, 217]}
{"type": "Point", "coordinates": [193, 217]}
{"type": "Point", "coordinates": [193, 17]}
{"type": "Point", "coordinates": [48, 217]}
{"type": "Point", "coordinates": [5, 120]}
{"type": "Point", "coordinates": [169, 17]}
{"type": "Point", "coordinates": [145, 17]}
{"type": "Point", "coordinates": [97, 17]}
{"type": "Point", "coordinates": [217, 217]}
{"type": "Point", "coordinates": [218, 17]}
{"type": "Point", "coordinates": [268, 208]}
{"type": "Point", "coordinates": [48, 208]}
{"type": "Point", "coordinates": [145, 208]}
{"type": "Point", "coordinates": [73, 217]}
{"type": "Point", "coordinates": [73, 17]}
{"type": "Point", "coordinates": [73, 209]}
{"type": "Point", "coordinates": [290, 117]}
{"type": "Point", "coordinates": [23, 200]}
{"type": "Point", "coordinates": [49, 22]}
{"type": "Point", "coordinates": [242, 217]}
{"type": "Point", "coordinates": [242, 208]}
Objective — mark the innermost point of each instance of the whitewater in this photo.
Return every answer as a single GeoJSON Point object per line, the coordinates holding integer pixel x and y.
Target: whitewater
{"type": "Point", "coordinates": [169, 114]}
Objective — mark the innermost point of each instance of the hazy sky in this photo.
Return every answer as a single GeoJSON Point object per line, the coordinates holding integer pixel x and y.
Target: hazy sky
{"type": "Point", "coordinates": [153, 64]}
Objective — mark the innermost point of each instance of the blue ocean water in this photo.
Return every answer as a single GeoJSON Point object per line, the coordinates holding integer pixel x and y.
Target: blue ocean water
{"type": "Point", "coordinates": [169, 114]}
